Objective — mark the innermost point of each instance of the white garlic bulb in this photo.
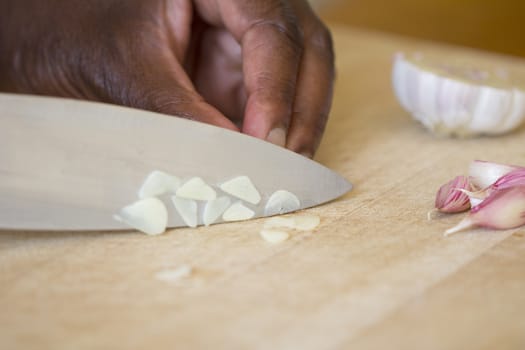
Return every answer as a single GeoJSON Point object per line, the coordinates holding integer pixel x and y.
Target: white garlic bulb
{"type": "Point", "coordinates": [458, 98]}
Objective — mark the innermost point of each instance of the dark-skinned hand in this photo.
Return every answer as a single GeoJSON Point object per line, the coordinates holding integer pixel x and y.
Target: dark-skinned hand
{"type": "Point", "coordinates": [263, 67]}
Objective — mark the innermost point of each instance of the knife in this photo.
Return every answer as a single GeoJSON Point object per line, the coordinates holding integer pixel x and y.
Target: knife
{"type": "Point", "coordinates": [70, 165]}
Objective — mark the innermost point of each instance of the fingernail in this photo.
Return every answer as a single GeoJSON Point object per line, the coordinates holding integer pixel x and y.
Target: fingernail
{"type": "Point", "coordinates": [277, 136]}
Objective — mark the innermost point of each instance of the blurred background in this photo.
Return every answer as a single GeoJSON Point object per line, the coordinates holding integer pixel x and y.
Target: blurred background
{"type": "Point", "coordinates": [492, 25]}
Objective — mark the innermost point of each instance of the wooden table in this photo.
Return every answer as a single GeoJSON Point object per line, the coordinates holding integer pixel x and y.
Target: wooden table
{"type": "Point", "coordinates": [375, 274]}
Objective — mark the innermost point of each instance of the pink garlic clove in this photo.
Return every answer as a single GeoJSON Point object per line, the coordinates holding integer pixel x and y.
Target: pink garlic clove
{"type": "Point", "coordinates": [476, 197]}
{"type": "Point", "coordinates": [483, 174]}
{"type": "Point", "coordinates": [514, 178]}
{"type": "Point", "coordinates": [502, 209]}
{"type": "Point", "coordinates": [451, 199]}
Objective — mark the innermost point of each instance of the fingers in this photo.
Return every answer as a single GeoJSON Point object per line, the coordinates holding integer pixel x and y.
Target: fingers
{"type": "Point", "coordinates": [288, 67]}
{"type": "Point", "coordinates": [272, 53]}
{"type": "Point", "coordinates": [272, 46]}
{"type": "Point", "coordinates": [313, 94]}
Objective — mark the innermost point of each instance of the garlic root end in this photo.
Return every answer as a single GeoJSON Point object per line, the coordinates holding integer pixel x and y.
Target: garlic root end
{"type": "Point", "coordinates": [463, 225]}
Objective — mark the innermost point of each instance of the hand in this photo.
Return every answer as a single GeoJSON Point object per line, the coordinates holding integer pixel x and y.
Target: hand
{"type": "Point", "coordinates": [264, 67]}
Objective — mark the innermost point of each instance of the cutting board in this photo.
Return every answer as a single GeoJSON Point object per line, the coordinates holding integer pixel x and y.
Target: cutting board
{"type": "Point", "coordinates": [375, 274]}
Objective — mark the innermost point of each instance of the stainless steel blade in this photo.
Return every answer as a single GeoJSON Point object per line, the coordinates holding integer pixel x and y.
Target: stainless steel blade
{"type": "Point", "coordinates": [70, 165]}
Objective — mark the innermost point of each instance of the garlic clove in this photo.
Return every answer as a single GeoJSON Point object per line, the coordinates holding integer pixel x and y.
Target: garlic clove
{"type": "Point", "coordinates": [238, 212]}
{"type": "Point", "coordinates": [158, 183]}
{"type": "Point", "coordinates": [453, 97]}
{"type": "Point", "coordinates": [451, 197]}
{"type": "Point", "coordinates": [483, 174]}
{"type": "Point", "coordinates": [214, 209]}
{"type": "Point", "coordinates": [514, 178]}
{"type": "Point", "coordinates": [502, 209]}
{"type": "Point", "coordinates": [147, 215]}
{"type": "Point", "coordinates": [195, 188]}
{"type": "Point", "coordinates": [187, 209]}
{"type": "Point", "coordinates": [475, 197]}
{"type": "Point", "coordinates": [281, 202]}
{"type": "Point", "coordinates": [242, 188]}
{"type": "Point", "coordinates": [274, 236]}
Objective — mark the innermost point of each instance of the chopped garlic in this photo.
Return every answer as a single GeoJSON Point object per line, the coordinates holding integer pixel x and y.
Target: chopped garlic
{"type": "Point", "coordinates": [214, 209]}
{"type": "Point", "coordinates": [242, 188]}
{"type": "Point", "coordinates": [238, 212]}
{"type": "Point", "coordinates": [281, 202]}
{"type": "Point", "coordinates": [158, 183]}
{"type": "Point", "coordinates": [306, 222]}
{"type": "Point", "coordinates": [187, 209]}
{"type": "Point", "coordinates": [274, 236]}
{"type": "Point", "coordinates": [458, 98]}
{"type": "Point", "coordinates": [148, 215]}
{"type": "Point", "coordinates": [279, 221]}
{"type": "Point", "coordinates": [295, 222]}
{"type": "Point", "coordinates": [196, 188]}
{"type": "Point", "coordinates": [174, 275]}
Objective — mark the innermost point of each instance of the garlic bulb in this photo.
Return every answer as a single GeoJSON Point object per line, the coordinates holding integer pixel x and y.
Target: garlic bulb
{"type": "Point", "coordinates": [457, 97]}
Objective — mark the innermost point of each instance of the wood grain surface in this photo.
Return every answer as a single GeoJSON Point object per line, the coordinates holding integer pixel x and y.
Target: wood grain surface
{"type": "Point", "coordinates": [376, 274]}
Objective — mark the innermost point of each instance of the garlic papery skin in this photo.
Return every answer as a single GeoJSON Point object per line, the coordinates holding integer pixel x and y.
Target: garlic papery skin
{"type": "Point", "coordinates": [451, 199]}
{"type": "Point", "coordinates": [511, 179]}
{"type": "Point", "coordinates": [483, 174]}
{"type": "Point", "coordinates": [514, 178]}
{"type": "Point", "coordinates": [502, 209]}
{"type": "Point", "coordinates": [455, 98]}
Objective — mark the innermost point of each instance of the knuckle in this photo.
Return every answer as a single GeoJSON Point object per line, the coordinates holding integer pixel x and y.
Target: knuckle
{"type": "Point", "coordinates": [321, 40]}
{"type": "Point", "coordinates": [287, 31]}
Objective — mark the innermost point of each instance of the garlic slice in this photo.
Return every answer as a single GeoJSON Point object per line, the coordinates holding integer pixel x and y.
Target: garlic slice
{"type": "Point", "coordinates": [296, 222]}
{"type": "Point", "coordinates": [187, 209]}
{"type": "Point", "coordinates": [242, 188]}
{"type": "Point", "coordinates": [196, 188]}
{"type": "Point", "coordinates": [214, 209]}
{"type": "Point", "coordinates": [158, 183]}
{"type": "Point", "coordinates": [274, 236]}
{"type": "Point", "coordinates": [281, 202]}
{"type": "Point", "coordinates": [306, 222]}
{"type": "Point", "coordinates": [174, 275]}
{"type": "Point", "coordinates": [147, 215]}
{"type": "Point", "coordinates": [238, 212]}
{"type": "Point", "coordinates": [459, 98]}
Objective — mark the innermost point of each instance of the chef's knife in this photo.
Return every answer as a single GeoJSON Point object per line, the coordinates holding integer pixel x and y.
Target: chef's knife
{"type": "Point", "coordinates": [70, 165]}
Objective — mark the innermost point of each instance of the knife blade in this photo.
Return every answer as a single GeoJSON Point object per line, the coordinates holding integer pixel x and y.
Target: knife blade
{"type": "Point", "coordinates": [70, 165]}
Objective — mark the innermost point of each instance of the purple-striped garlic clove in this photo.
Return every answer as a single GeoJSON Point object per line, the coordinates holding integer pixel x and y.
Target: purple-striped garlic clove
{"type": "Point", "coordinates": [450, 197]}
{"type": "Point", "coordinates": [514, 178]}
{"type": "Point", "coordinates": [483, 174]}
{"type": "Point", "coordinates": [502, 209]}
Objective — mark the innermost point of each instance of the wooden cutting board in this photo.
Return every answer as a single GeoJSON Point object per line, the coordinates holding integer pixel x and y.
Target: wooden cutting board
{"type": "Point", "coordinates": [375, 274]}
